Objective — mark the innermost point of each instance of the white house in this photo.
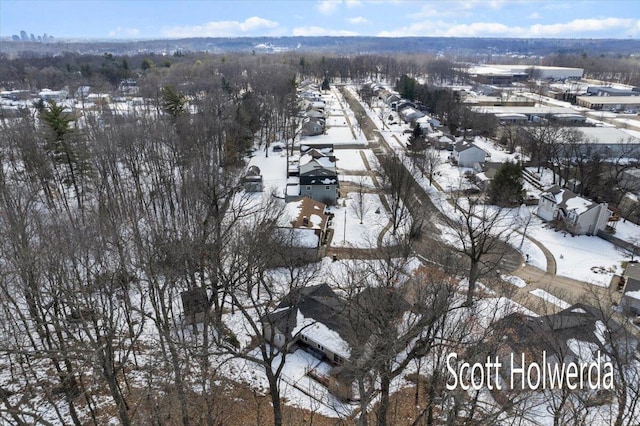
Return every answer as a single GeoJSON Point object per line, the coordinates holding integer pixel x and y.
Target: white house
{"type": "Point", "coordinates": [577, 215]}
{"type": "Point", "coordinates": [467, 154]}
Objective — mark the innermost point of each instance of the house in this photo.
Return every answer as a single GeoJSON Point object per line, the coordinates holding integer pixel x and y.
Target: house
{"type": "Point", "coordinates": [302, 230]}
{"type": "Point", "coordinates": [318, 321]}
{"type": "Point", "coordinates": [53, 95]}
{"type": "Point", "coordinates": [306, 213]}
{"type": "Point", "coordinates": [630, 300]}
{"type": "Point", "coordinates": [305, 317]}
{"type": "Point", "coordinates": [391, 99]}
{"type": "Point", "coordinates": [573, 335]}
{"type": "Point", "coordinates": [575, 214]}
{"type": "Point", "coordinates": [312, 126]}
{"type": "Point", "coordinates": [252, 181]}
{"type": "Point", "coordinates": [82, 92]}
{"type": "Point", "coordinates": [318, 174]}
{"type": "Point", "coordinates": [467, 154]}
{"type": "Point", "coordinates": [402, 104]}
{"type": "Point", "coordinates": [319, 182]}
{"type": "Point", "coordinates": [128, 87]}
{"type": "Point", "coordinates": [439, 140]}
{"type": "Point", "coordinates": [486, 175]}
{"type": "Point", "coordinates": [99, 98]}
{"type": "Point", "coordinates": [410, 115]}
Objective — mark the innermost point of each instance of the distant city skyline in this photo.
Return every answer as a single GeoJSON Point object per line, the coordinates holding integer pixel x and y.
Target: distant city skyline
{"type": "Point", "coordinates": [135, 19]}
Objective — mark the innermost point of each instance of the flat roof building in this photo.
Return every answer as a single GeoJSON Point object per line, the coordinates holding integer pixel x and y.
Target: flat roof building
{"type": "Point", "coordinates": [609, 102]}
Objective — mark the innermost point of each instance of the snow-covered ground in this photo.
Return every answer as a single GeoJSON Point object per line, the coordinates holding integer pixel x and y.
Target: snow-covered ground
{"type": "Point", "coordinates": [584, 258]}
{"type": "Point", "coordinates": [516, 281]}
{"type": "Point", "coordinates": [347, 230]}
{"type": "Point", "coordinates": [273, 169]}
{"type": "Point", "coordinates": [350, 159]}
{"type": "Point", "coordinates": [548, 297]}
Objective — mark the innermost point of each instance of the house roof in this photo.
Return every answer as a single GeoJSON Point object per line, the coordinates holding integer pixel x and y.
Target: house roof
{"type": "Point", "coordinates": [568, 200]}
{"type": "Point", "coordinates": [325, 148]}
{"type": "Point", "coordinates": [311, 210]}
{"type": "Point", "coordinates": [308, 162]}
{"type": "Point", "coordinates": [465, 146]}
{"type": "Point", "coordinates": [632, 270]}
{"type": "Point", "coordinates": [319, 302]}
{"type": "Point", "coordinates": [557, 333]}
{"type": "Point", "coordinates": [632, 288]}
{"type": "Point", "coordinates": [318, 312]}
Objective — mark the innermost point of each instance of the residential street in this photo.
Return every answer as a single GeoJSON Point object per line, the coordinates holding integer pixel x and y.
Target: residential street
{"type": "Point", "coordinates": [513, 263]}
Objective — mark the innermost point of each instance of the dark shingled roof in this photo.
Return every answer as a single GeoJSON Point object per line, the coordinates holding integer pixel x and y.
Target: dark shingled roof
{"type": "Point", "coordinates": [551, 332]}
{"type": "Point", "coordinates": [318, 302]}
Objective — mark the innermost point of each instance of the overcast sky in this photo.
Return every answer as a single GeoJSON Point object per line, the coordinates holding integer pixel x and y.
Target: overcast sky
{"type": "Point", "coordinates": [175, 19]}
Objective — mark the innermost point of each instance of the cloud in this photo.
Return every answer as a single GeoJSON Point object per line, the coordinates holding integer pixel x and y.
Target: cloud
{"type": "Point", "coordinates": [462, 9]}
{"type": "Point", "coordinates": [357, 20]}
{"type": "Point", "coordinates": [577, 27]}
{"type": "Point", "coordinates": [328, 7]}
{"type": "Point", "coordinates": [222, 28]}
{"type": "Point", "coordinates": [319, 31]}
{"type": "Point", "coordinates": [580, 26]}
{"type": "Point", "coordinates": [445, 29]}
{"type": "Point", "coordinates": [124, 32]}
{"type": "Point", "coordinates": [534, 15]}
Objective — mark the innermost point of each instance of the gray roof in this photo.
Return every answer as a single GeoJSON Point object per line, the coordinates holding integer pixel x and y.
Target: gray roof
{"type": "Point", "coordinates": [551, 332]}
{"type": "Point", "coordinates": [633, 271]}
{"type": "Point", "coordinates": [463, 146]}
{"type": "Point", "coordinates": [318, 302]}
{"type": "Point", "coordinates": [349, 320]}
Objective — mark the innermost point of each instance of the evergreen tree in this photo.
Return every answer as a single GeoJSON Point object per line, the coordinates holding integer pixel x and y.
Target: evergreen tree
{"type": "Point", "coordinates": [325, 84]}
{"type": "Point", "coordinates": [406, 86]}
{"type": "Point", "coordinates": [506, 187]}
{"type": "Point", "coordinates": [172, 101]}
{"type": "Point", "coordinates": [416, 140]}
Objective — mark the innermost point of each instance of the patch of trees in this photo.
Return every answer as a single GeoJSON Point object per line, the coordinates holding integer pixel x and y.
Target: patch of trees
{"type": "Point", "coordinates": [619, 68]}
{"type": "Point", "coordinates": [506, 188]}
{"type": "Point", "coordinates": [585, 166]}
{"type": "Point", "coordinates": [446, 104]}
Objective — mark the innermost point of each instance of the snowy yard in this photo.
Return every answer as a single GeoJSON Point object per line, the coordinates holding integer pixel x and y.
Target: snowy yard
{"type": "Point", "coordinates": [583, 258]}
{"type": "Point", "coordinates": [346, 219]}
{"type": "Point", "coordinates": [365, 181]}
{"type": "Point", "coordinates": [350, 159]}
{"type": "Point", "coordinates": [548, 297]}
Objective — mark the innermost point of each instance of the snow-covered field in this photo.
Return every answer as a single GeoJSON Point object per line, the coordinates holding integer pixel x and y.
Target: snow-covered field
{"type": "Point", "coordinates": [348, 232]}
{"type": "Point", "coordinates": [584, 258]}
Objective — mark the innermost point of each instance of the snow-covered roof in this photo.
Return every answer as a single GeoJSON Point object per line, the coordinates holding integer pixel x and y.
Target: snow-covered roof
{"type": "Point", "coordinates": [308, 163]}
{"type": "Point", "coordinates": [511, 116]}
{"type": "Point", "coordinates": [568, 200]}
{"type": "Point", "coordinates": [632, 288]}
{"type": "Point", "coordinates": [578, 205]}
{"type": "Point", "coordinates": [301, 237]}
{"type": "Point", "coordinates": [320, 333]}
{"type": "Point", "coordinates": [305, 213]}
{"type": "Point", "coordinates": [463, 146]}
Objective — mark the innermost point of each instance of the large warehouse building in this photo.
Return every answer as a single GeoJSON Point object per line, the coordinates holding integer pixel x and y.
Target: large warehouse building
{"type": "Point", "coordinates": [506, 74]}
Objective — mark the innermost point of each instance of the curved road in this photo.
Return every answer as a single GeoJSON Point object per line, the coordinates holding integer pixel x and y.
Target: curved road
{"type": "Point", "coordinates": [564, 288]}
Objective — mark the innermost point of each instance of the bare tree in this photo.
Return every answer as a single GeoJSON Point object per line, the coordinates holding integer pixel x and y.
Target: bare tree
{"type": "Point", "coordinates": [400, 184]}
{"type": "Point", "coordinates": [479, 233]}
{"type": "Point", "coordinates": [257, 247]}
{"type": "Point", "coordinates": [360, 207]}
{"type": "Point", "coordinates": [430, 161]}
